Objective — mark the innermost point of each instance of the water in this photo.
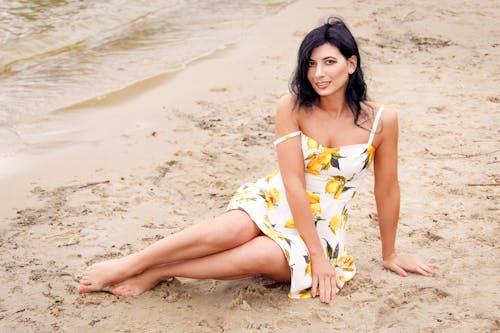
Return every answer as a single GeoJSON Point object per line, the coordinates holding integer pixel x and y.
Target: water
{"type": "Point", "coordinates": [55, 53]}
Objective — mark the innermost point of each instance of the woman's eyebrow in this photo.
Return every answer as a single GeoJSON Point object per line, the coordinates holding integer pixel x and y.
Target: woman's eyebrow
{"type": "Point", "coordinates": [324, 58]}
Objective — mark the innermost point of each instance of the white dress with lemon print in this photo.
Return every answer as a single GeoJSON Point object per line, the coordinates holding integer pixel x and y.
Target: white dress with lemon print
{"type": "Point", "coordinates": [333, 176]}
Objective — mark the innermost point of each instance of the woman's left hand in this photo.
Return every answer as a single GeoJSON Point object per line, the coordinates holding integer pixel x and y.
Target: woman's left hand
{"type": "Point", "coordinates": [402, 265]}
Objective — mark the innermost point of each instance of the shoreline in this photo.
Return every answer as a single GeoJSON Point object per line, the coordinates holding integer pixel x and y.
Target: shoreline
{"type": "Point", "coordinates": [133, 43]}
{"type": "Point", "coordinates": [148, 164]}
{"type": "Point", "coordinates": [136, 88]}
{"type": "Point", "coordinates": [12, 160]}
{"type": "Point", "coordinates": [22, 130]}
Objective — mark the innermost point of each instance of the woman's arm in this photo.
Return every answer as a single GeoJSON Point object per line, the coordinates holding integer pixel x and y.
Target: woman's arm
{"type": "Point", "coordinates": [386, 182]}
{"type": "Point", "coordinates": [387, 197]}
{"type": "Point", "coordinates": [291, 164]}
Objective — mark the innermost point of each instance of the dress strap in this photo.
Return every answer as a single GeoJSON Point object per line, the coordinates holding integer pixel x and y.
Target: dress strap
{"type": "Point", "coordinates": [375, 125]}
{"type": "Point", "coordinates": [286, 137]}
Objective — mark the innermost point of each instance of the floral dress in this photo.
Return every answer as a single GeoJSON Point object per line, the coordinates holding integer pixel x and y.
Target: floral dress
{"type": "Point", "coordinates": [332, 177]}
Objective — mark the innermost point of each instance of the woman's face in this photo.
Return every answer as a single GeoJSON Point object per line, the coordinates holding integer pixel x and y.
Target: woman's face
{"type": "Point", "coordinates": [329, 70]}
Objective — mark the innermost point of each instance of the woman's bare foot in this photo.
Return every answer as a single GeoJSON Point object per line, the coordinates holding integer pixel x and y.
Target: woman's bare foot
{"type": "Point", "coordinates": [136, 285]}
{"type": "Point", "coordinates": [104, 274]}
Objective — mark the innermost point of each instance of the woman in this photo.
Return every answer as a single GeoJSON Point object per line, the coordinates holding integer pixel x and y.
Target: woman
{"type": "Point", "coordinates": [291, 225]}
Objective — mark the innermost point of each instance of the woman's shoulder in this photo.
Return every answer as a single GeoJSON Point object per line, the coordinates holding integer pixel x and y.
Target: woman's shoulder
{"type": "Point", "coordinates": [370, 109]}
{"type": "Point", "coordinates": [387, 126]}
{"type": "Point", "coordinates": [287, 102]}
{"type": "Point", "coordinates": [389, 115]}
{"type": "Point", "coordinates": [286, 106]}
{"type": "Point", "coordinates": [286, 117]}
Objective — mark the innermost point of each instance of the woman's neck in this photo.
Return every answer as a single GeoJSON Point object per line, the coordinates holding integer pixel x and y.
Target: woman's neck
{"type": "Point", "coordinates": [335, 105]}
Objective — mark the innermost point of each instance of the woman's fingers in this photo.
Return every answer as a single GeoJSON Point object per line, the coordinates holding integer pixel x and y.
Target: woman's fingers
{"type": "Point", "coordinates": [395, 268]}
{"type": "Point", "coordinates": [428, 268]}
{"type": "Point", "coordinates": [424, 270]}
{"type": "Point", "coordinates": [333, 283]}
{"type": "Point", "coordinates": [314, 286]}
{"type": "Point", "coordinates": [328, 288]}
{"type": "Point", "coordinates": [328, 291]}
{"type": "Point", "coordinates": [419, 267]}
{"type": "Point", "coordinates": [322, 289]}
{"type": "Point", "coordinates": [324, 282]}
{"type": "Point", "coordinates": [400, 265]}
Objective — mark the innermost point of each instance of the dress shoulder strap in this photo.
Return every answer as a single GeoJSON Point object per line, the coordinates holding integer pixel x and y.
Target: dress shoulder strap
{"type": "Point", "coordinates": [375, 124]}
{"type": "Point", "coordinates": [286, 137]}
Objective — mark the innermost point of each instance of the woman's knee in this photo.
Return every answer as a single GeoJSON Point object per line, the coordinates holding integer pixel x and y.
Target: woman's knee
{"type": "Point", "coordinates": [267, 256]}
{"type": "Point", "coordinates": [229, 230]}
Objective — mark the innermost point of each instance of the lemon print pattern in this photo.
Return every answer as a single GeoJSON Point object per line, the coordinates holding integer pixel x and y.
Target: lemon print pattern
{"type": "Point", "coordinates": [333, 176]}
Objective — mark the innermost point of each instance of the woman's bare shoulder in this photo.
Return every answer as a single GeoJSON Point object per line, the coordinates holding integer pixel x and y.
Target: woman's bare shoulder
{"type": "Point", "coordinates": [387, 127]}
{"type": "Point", "coordinates": [287, 102]}
{"type": "Point", "coordinates": [286, 117]}
{"type": "Point", "coordinates": [370, 109]}
{"type": "Point", "coordinates": [286, 106]}
{"type": "Point", "coordinates": [390, 115]}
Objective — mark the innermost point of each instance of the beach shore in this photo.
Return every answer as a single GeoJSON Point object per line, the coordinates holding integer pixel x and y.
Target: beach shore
{"type": "Point", "coordinates": [112, 175]}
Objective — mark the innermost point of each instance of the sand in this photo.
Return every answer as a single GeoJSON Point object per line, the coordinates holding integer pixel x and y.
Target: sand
{"type": "Point", "coordinates": [110, 176]}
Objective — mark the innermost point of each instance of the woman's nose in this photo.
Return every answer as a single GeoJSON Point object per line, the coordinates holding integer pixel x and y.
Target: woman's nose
{"type": "Point", "coordinates": [318, 72]}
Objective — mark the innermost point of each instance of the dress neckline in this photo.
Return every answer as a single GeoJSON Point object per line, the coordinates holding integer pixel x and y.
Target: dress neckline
{"type": "Point", "coordinates": [339, 147]}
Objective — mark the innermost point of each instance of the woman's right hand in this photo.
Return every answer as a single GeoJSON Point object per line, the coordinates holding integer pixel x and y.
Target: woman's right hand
{"type": "Point", "coordinates": [324, 279]}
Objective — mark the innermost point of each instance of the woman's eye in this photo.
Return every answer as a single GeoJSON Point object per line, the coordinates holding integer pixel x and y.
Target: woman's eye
{"type": "Point", "coordinates": [330, 62]}
{"type": "Point", "coordinates": [311, 63]}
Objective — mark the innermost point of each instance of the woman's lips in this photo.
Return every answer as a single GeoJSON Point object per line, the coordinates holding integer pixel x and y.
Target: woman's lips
{"type": "Point", "coordinates": [323, 84]}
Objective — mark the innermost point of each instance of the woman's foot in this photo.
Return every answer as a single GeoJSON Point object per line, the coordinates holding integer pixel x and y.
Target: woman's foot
{"type": "Point", "coordinates": [100, 276]}
{"type": "Point", "coordinates": [136, 285]}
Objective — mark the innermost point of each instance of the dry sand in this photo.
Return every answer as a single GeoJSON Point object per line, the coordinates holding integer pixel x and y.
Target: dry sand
{"type": "Point", "coordinates": [150, 160]}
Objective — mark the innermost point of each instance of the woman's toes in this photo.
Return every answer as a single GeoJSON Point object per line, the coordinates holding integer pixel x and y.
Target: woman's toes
{"type": "Point", "coordinates": [117, 290]}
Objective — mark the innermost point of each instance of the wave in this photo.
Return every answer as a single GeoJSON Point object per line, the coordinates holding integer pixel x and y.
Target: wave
{"type": "Point", "coordinates": [30, 32]}
{"type": "Point", "coordinates": [69, 52]}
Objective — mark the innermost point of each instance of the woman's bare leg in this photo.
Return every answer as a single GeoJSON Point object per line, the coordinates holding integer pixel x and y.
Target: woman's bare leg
{"type": "Point", "coordinates": [227, 231]}
{"type": "Point", "coordinates": [260, 255]}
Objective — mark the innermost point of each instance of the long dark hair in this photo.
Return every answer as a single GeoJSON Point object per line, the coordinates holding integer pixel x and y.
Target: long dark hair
{"type": "Point", "coordinates": [336, 33]}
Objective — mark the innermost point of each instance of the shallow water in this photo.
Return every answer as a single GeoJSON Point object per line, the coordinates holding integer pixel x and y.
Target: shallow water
{"type": "Point", "coordinates": [56, 53]}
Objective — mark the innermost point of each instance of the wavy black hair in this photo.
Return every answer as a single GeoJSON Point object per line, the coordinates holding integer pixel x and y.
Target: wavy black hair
{"type": "Point", "coordinates": [336, 33]}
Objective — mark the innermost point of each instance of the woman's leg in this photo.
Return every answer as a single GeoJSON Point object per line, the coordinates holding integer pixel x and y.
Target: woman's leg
{"type": "Point", "coordinates": [227, 231]}
{"type": "Point", "coordinates": [260, 255]}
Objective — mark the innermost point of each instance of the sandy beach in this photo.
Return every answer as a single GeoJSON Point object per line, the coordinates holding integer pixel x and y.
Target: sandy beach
{"type": "Point", "coordinates": [109, 176]}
